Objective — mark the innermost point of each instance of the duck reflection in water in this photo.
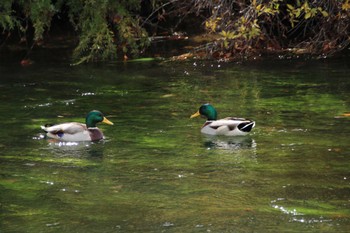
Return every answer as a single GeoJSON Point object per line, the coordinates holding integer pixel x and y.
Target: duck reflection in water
{"type": "Point", "coordinates": [76, 149]}
{"type": "Point", "coordinates": [232, 143]}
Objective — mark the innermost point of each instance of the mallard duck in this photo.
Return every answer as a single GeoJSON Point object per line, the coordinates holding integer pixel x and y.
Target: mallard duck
{"type": "Point", "coordinates": [74, 131]}
{"type": "Point", "coordinates": [229, 126]}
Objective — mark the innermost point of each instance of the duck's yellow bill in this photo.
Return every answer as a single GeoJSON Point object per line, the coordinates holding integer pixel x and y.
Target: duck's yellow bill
{"type": "Point", "coordinates": [195, 115]}
{"type": "Point", "coordinates": [108, 122]}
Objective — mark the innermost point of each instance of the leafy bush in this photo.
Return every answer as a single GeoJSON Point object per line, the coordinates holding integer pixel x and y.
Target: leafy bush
{"type": "Point", "coordinates": [245, 28]}
{"type": "Point", "coordinates": [238, 28]}
{"type": "Point", "coordinates": [104, 27]}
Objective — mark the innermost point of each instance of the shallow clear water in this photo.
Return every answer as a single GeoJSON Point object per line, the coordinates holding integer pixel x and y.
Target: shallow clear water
{"type": "Point", "coordinates": [156, 172]}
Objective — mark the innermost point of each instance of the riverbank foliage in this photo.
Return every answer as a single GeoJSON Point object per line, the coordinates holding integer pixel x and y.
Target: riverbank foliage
{"type": "Point", "coordinates": [106, 29]}
{"type": "Point", "coordinates": [294, 27]}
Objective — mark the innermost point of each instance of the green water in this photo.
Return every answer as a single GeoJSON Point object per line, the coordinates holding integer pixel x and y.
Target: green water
{"type": "Point", "coordinates": [155, 171]}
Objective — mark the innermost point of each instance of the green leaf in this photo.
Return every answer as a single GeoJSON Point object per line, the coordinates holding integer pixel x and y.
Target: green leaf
{"type": "Point", "coordinates": [307, 15]}
{"type": "Point", "coordinates": [225, 44]}
{"type": "Point", "coordinates": [290, 7]}
{"type": "Point", "coordinates": [324, 13]}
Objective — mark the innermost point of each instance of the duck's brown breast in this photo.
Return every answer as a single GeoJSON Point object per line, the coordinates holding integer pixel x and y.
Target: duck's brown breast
{"type": "Point", "coordinates": [95, 134]}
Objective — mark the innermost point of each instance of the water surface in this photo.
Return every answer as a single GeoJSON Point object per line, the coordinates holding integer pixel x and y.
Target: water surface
{"type": "Point", "coordinates": [155, 171]}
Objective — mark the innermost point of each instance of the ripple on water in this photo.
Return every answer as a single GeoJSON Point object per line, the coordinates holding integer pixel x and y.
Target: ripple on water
{"type": "Point", "coordinates": [168, 224]}
{"type": "Point", "coordinates": [296, 215]}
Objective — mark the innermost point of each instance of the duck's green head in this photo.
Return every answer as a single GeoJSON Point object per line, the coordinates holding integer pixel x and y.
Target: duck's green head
{"type": "Point", "coordinates": [94, 117]}
{"type": "Point", "coordinates": [207, 111]}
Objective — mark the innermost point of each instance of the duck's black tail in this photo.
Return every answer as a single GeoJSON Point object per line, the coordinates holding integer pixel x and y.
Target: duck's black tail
{"type": "Point", "coordinates": [246, 126]}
